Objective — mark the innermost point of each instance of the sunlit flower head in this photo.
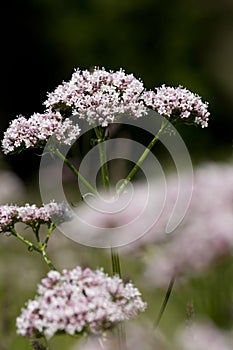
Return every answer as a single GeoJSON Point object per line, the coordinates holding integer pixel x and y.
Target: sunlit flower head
{"type": "Point", "coordinates": [35, 132]}
{"type": "Point", "coordinates": [79, 301]}
{"type": "Point", "coordinates": [99, 96]}
{"type": "Point", "coordinates": [178, 103]}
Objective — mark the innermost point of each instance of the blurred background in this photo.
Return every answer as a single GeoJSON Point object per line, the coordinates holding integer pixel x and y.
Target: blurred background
{"type": "Point", "coordinates": [180, 42]}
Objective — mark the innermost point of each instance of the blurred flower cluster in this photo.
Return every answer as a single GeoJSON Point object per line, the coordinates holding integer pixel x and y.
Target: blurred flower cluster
{"type": "Point", "coordinates": [200, 335]}
{"type": "Point", "coordinates": [203, 236]}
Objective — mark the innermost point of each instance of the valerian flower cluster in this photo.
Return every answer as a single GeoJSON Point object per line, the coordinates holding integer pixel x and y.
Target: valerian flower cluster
{"type": "Point", "coordinates": [32, 215]}
{"type": "Point", "coordinates": [35, 132]}
{"type": "Point", "coordinates": [77, 301]}
{"type": "Point", "coordinates": [82, 301]}
{"type": "Point", "coordinates": [100, 97]}
{"type": "Point", "coordinates": [178, 103]}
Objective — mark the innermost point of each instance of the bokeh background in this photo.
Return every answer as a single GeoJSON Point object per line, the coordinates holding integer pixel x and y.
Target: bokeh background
{"type": "Point", "coordinates": [181, 42]}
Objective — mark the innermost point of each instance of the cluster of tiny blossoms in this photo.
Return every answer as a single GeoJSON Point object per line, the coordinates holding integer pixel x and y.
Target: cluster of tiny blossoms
{"type": "Point", "coordinates": [77, 301]}
{"type": "Point", "coordinates": [31, 215]}
{"type": "Point", "coordinates": [99, 96]}
{"type": "Point", "coordinates": [178, 103]}
{"type": "Point", "coordinates": [34, 132]}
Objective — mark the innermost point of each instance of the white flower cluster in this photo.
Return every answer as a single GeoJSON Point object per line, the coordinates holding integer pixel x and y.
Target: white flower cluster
{"type": "Point", "coordinates": [178, 103]}
{"type": "Point", "coordinates": [36, 131]}
{"type": "Point", "coordinates": [77, 301]}
{"type": "Point", "coordinates": [99, 96]}
{"type": "Point", "coordinates": [31, 215]}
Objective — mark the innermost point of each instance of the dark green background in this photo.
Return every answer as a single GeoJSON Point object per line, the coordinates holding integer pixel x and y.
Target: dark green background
{"type": "Point", "coordinates": [187, 42]}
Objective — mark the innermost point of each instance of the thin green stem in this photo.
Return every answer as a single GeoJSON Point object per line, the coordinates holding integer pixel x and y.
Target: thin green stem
{"type": "Point", "coordinates": [104, 165]}
{"type": "Point", "coordinates": [43, 246]}
{"type": "Point", "coordinates": [47, 260]}
{"type": "Point", "coordinates": [51, 229]}
{"type": "Point", "coordinates": [142, 158]}
{"type": "Point", "coordinates": [76, 172]}
{"type": "Point", "coordinates": [116, 268]}
{"type": "Point", "coordinates": [39, 249]}
{"type": "Point", "coordinates": [101, 134]}
{"type": "Point", "coordinates": [165, 301]}
{"type": "Point", "coordinates": [30, 245]}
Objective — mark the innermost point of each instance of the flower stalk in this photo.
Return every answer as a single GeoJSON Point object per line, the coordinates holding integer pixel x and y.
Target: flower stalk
{"type": "Point", "coordinates": [165, 301]}
{"type": "Point", "coordinates": [75, 171]}
{"type": "Point", "coordinates": [142, 158]}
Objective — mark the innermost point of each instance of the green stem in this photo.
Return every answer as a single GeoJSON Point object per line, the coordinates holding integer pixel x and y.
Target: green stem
{"type": "Point", "coordinates": [116, 270]}
{"type": "Point", "coordinates": [40, 249]}
{"type": "Point", "coordinates": [30, 245]}
{"type": "Point", "coordinates": [104, 165]}
{"type": "Point", "coordinates": [47, 260]}
{"type": "Point", "coordinates": [101, 134]}
{"type": "Point", "coordinates": [165, 301]}
{"type": "Point", "coordinates": [51, 228]}
{"type": "Point", "coordinates": [141, 159]}
{"type": "Point", "coordinates": [75, 171]}
{"type": "Point", "coordinates": [43, 246]}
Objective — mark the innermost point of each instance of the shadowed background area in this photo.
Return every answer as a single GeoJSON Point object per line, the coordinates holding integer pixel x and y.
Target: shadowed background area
{"type": "Point", "coordinates": [187, 43]}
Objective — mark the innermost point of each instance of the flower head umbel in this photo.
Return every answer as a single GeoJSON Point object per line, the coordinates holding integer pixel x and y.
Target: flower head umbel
{"type": "Point", "coordinates": [177, 103]}
{"type": "Point", "coordinates": [34, 132]}
{"type": "Point", "coordinates": [99, 96]}
{"type": "Point", "coordinates": [32, 215]}
{"type": "Point", "coordinates": [77, 301]}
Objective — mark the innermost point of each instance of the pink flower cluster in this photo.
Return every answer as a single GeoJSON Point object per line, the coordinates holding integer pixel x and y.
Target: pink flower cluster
{"type": "Point", "coordinates": [202, 336]}
{"type": "Point", "coordinates": [99, 96]}
{"type": "Point", "coordinates": [178, 103]}
{"type": "Point", "coordinates": [78, 301]}
{"type": "Point", "coordinates": [31, 214]}
{"type": "Point", "coordinates": [35, 132]}
{"type": "Point", "coordinates": [204, 235]}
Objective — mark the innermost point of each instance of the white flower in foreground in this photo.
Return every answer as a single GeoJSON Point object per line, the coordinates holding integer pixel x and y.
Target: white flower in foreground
{"type": "Point", "coordinates": [35, 132]}
{"type": "Point", "coordinates": [79, 301]}
{"type": "Point", "coordinates": [178, 103]}
{"type": "Point", "coordinates": [99, 96]}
